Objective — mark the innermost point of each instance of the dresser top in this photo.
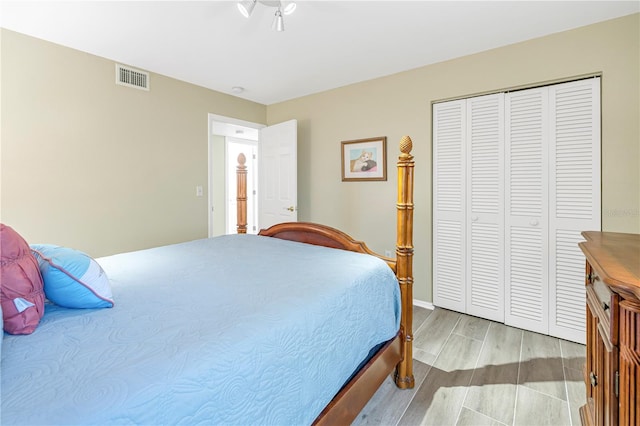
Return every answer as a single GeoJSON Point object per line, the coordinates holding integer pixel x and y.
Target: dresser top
{"type": "Point", "coordinates": [616, 258]}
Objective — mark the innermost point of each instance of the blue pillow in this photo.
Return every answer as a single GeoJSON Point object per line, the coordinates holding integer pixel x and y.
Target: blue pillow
{"type": "Point", "coordinates": [71, 278]}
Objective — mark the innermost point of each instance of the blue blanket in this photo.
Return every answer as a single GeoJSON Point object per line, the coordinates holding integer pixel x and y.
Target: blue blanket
{"type": "Point", "coordinates": [238, 329]}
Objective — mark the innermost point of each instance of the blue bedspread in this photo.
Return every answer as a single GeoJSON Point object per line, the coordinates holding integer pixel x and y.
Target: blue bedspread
{"type": "Point", "coordinates": [238, 329]}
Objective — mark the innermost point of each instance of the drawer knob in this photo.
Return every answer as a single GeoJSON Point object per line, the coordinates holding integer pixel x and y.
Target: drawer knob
{"type": "Point", "coordinates": [594, 379]}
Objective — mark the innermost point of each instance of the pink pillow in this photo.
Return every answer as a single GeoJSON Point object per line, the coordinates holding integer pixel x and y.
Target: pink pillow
{"type": "Point", "coordinates": [21, 287]}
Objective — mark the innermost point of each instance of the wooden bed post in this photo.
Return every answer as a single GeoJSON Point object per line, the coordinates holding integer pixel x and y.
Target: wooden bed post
{"type": "Point", "coordinates": [241, 173]}
{"type": "Point", "coordinates": [404, 255]}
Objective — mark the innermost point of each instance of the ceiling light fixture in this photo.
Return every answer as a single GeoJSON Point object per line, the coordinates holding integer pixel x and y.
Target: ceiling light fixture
{"type": "Point", "coordinates": [246, 7]}
{"type": "Point", "coordinates": [278, 23]}
{"type": "Point", "coordinates": [287, 7]}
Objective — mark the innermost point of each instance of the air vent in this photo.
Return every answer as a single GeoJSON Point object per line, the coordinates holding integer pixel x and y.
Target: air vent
{"type": "Point", "coordinates": [131, 77]}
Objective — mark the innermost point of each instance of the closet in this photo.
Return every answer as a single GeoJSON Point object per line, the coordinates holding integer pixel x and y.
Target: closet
{"type": "Point", "coordinates": [516, 178]}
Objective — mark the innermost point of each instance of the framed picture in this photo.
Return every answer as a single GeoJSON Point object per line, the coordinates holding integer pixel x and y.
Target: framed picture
{"type": "Point", "coordinates": [364, 159]}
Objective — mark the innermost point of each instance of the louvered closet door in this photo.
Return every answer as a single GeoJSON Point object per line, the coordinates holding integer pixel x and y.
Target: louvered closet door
{"type": "Point", "coordinates": [527, 182]}
{"type": "Point", "coordinates": [516, 179]}
{"type": "Point", "coordinates": [485, 207]}
{"type": "Point", "coordinates": [574, 199]}
{"type": "Point", "coordinates": [449, 205]}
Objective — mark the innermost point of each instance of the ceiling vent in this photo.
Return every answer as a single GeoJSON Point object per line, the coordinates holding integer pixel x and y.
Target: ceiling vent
{"type": "Point", "coordinates": [131, 77]}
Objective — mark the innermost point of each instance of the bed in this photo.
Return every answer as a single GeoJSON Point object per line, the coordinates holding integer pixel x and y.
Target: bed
{"type": "Point", "coordinates": [297, 325]}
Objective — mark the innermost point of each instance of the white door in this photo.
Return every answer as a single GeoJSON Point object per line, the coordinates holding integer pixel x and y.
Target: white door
{"type": "Point", "coordinates": [527, 206]}
{"type": "Point", "coordinates": [278, 170]}
{"type": "Point", "coordinates": [574, 199]}
{"type": "Point", "coordinates": [485, 207]}
{"type": "Point", "coordinates": [449, 180]}
{"type": "Point", "coordinates": [468, 206]}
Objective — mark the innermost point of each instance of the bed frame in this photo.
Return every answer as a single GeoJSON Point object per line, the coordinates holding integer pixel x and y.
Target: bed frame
{"type": "Point", "coordinates": [396, 354]}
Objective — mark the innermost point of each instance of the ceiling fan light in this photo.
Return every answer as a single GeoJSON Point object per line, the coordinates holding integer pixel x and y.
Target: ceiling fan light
{"type": "Point", "coordinates": [278, 22]}
{"type": "Point", "coordinates": [288, 7]}
{"type": "Point", "coordinates": [246, 7]}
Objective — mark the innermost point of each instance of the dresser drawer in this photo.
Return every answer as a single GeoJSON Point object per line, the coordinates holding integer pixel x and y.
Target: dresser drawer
{"type": "Point", "coordinates": [604, 304]}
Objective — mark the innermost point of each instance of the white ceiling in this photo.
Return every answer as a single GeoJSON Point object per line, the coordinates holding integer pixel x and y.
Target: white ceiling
{"type": "Point", "coordinates": [326, 44]}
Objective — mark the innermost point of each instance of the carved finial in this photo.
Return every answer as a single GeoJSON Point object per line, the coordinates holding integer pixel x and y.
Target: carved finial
{"type": "Point", "coordinates": [406, 145]}
{"type": "Point", "coordinates": [242, 159]}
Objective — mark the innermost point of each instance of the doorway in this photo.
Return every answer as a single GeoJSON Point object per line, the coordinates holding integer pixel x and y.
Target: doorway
{"type": "Point", "coordinates": [235, 147]}
{"type": "Point", "coordinates": [277, 201]}
{"type": "Point", "coordinates": [221, 128]}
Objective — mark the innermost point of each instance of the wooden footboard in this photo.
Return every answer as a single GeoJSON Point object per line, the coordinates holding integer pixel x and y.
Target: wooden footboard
{"type": "Point", "coordinates": [398, 352]}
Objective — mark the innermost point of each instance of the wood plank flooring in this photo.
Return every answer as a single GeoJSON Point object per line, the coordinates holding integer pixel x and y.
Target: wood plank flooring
{"type": "Point", "coordinates": [472, 371]}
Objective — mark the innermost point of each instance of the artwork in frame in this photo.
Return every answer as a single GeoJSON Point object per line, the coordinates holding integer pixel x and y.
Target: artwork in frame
{"type": "Point", "coordinates": [364, 159]}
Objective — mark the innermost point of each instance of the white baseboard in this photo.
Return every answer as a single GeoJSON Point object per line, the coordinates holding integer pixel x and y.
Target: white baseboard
{"type": "Point", "coordinates": [423, 304]}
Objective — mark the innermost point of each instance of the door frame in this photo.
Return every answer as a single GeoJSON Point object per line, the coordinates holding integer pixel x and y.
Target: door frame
{"type": "Point", "coordinates": [219, 125]}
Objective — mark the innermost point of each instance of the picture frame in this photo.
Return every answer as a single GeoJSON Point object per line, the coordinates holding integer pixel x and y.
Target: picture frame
{"type": "Point", "coordinates": [364, 159]}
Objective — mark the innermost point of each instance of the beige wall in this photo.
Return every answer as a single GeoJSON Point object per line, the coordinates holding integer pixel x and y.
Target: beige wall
{"type": "Point", "coordinates": [401, 104]}
{"type": "Point", "coordinates": [100, 167]}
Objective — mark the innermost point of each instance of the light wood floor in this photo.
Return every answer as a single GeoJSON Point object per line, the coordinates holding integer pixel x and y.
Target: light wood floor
{"type": "Point", "coordinates": [471, 371]}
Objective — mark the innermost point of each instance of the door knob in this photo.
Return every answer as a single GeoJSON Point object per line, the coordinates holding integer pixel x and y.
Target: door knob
{"type": "Point", "coordinates": [290, 208]}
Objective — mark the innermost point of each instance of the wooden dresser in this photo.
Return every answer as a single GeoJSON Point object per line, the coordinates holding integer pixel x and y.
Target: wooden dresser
{"type": "Point", "coordinates": [612, 370]}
